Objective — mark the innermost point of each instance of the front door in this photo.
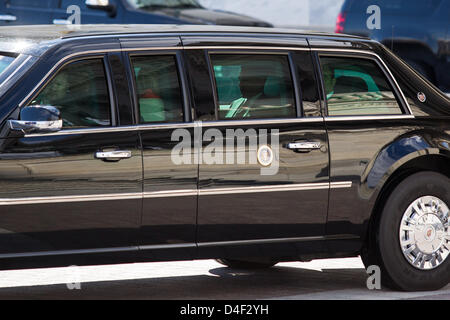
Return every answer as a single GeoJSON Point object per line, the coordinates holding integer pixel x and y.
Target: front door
{"type": "Point", "coordinates": [78, 190]}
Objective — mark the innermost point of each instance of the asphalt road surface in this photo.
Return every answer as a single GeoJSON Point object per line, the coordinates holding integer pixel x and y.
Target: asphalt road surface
{"type": "Point", "coordinates": [204, 279]}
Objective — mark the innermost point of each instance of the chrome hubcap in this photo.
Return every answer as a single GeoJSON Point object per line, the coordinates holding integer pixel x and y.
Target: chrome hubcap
{"type": "Point", "coordinates": [425, 233]}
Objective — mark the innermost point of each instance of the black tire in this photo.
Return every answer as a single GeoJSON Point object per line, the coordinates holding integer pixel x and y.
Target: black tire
{"type": "Point", "coordinates": [240, 264]}
{"type": "Point", "coordinates": [385, 251]}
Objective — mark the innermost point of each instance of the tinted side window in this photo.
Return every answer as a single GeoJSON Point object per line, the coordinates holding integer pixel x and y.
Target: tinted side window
{"type": "Point", "coordinates": [306, 73]}
{"type": "Point", "coordinates": [158, 89]}
{"type": "Point", "coordinates": [356, 86]}
{"type": "Point", "coordinates": [80, 92]}
{"type": "Point", "coordinates": [253, 86]}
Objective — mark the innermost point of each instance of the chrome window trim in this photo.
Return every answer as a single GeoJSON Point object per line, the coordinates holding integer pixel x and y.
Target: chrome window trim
{"type": "Point", "coordinates": [115, 129]}
{"type": "Point", "coordinates": [59, 64]}
{"type": "Point", "coordinates": [174, 193]}
{"type": "Point", "coordinates": [378, 58]}
{"type": "Point", "coordinates": [224, 123]}
{"type": "Point", "coordinates": [105, 51]}
{"type": "Point", "coordinates": [246, 48]}
{"type": "Point", "coordinates": [168, 126]}
{"type": "Point", "coordinates": [221, 122]}
{"type": "Point", "coordinates": [368, 118]}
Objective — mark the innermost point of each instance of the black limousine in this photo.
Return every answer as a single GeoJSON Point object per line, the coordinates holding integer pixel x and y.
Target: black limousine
{"type": "Point", "coordinates": [248, 145]}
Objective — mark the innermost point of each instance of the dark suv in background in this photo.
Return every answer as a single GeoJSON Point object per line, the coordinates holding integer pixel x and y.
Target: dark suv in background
{"type": "Point", "coordinates": [416, 30]}
{"type": "Point", "coordinates": [19, 12]}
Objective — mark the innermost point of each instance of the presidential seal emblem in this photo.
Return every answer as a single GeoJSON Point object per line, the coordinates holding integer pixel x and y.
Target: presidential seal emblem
{"type": "Point", "coordinates": [422, 97]}
{"type": "Point", "coordinates": [265, 155]}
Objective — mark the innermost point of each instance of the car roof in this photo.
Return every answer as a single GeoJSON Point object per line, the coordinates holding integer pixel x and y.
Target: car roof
{"type": "Point", "coordinates": [52, 32]}
{"type": "Point", "coordinates": [13, 37]}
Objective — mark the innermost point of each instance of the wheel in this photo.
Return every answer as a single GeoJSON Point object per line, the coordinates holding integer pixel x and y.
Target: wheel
{"type": "Point", "coordinates": [240, 264]}
{"type": "Point", "coordinates": [411, 243]}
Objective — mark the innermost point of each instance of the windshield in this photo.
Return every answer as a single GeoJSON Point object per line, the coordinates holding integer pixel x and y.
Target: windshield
{"type": "Point", "coordinates": [165, 3]}
{"type": "Point", "coordinates": [5, 62]}
{"type": "Point", "coordinates": [12, 68]}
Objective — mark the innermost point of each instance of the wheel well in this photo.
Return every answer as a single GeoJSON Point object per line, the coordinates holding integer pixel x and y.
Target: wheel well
{"type": "Point", "coordinates": [435, 163]}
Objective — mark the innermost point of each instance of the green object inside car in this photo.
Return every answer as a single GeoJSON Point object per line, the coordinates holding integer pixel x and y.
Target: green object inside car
{"type": "Point", "coordinates": [152, 110]}
{"type": "Point", "coordinates": [371, 85]}
{"type": "Point", "coordinates": [158, 89]}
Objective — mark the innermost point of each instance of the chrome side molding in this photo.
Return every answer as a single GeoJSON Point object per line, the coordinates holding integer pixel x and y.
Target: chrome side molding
{"type": "Point", "coordinates": [175, 193]}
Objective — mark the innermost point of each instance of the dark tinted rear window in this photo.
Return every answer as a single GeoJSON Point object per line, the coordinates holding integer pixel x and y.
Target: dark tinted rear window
{"type": "Point", "coordinates": [355, 86]}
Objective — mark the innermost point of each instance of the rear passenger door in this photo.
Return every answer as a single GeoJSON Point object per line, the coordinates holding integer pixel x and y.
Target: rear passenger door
{"type": "Point", "coordinates": [163, 114]}
{"type": "Point", "coordinates": [366, 113]}
{"type": "Point", "coordinates": [19, 12]}
{"type": "Point", "coordinates": [263, 176]}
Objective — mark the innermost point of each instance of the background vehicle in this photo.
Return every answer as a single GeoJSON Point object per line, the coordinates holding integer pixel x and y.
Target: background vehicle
{"type": "Point", "coordinates": [20, 12]}
{"type": "Point", "coordinates": [416, 30]}
{"type": "Point", "coordinates": [89, 121]}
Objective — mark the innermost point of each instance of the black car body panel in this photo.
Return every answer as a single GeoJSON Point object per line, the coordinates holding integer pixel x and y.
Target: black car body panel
{"type": "Point", "coordinates": [146, 208]}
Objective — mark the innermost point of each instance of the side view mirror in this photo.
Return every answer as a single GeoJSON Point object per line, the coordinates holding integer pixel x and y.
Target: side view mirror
{"type": "Point", "coordinates": [104, 5]}
{"type": "Point", "coordinates": [37, 119]}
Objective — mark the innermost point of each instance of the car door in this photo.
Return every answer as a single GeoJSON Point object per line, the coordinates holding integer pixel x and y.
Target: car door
{"type": "Point", "coordinates": [19, 12]}
{"type": "Point", "coordinates": [62, 13]}
{"type": "Point", "coordinates": [263, 176]}
{"type": "Point", "coordinates": [366, 115]}
{"type": "Point", "coordinates": [170, 186]}
{"type": "Point", "coordinates": [78, 190]}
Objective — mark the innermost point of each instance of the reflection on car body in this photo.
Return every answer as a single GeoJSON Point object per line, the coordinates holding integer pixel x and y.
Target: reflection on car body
{"type": "Point", "coordinates": [91, 118]}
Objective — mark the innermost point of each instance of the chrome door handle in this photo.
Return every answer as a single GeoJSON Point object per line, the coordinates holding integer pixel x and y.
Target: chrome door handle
{"type": "Point", "coordinates": [304, 145]}
{"type": "Point", "coordinates": [61, 21]}
{"type": "Point", "coordinates": [113, 155]}
{"type": "Point", "coordinates": [7, 17]}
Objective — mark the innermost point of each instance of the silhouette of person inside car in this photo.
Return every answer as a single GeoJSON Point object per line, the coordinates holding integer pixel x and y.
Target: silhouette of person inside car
{"type": "Point", "coordinates": [252, 82]}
